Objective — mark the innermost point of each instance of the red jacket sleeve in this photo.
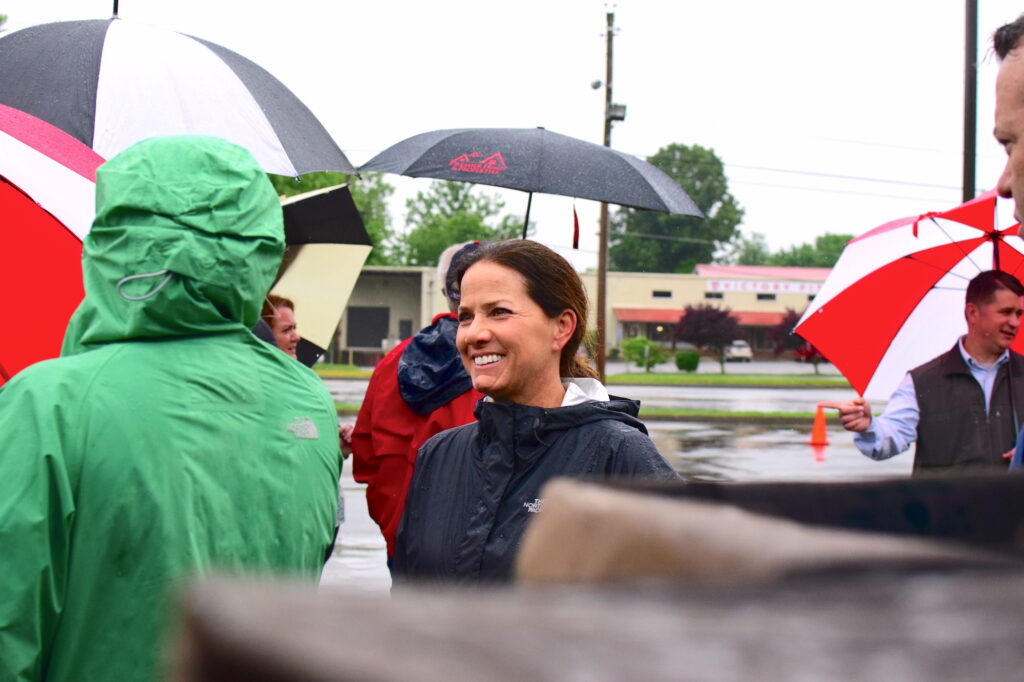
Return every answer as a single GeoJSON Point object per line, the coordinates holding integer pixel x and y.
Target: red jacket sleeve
{"type": "Point", "coordinates": [387, 436]}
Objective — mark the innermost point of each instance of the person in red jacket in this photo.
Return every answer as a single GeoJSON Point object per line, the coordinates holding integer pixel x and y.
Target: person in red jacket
{"type": "Point", "coordinates": [417, 390]}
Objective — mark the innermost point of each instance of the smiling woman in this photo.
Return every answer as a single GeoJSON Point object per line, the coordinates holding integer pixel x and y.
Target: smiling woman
{"type": "Point", "coordinates": [522, 316]}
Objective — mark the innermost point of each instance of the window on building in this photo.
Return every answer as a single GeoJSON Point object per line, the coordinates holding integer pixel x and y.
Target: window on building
{"type": "Point", "coordinates": [713, 294]}
{"type": "Point", "coordinates": [661, 294]}
{"type": "Point", "coordinates": [766, 297]}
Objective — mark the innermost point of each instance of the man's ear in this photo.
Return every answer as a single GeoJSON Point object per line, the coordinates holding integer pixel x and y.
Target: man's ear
{"type": "Point", "coordinates": [970, 312]}
{"type": "Point", "coordinates": [565, 325]}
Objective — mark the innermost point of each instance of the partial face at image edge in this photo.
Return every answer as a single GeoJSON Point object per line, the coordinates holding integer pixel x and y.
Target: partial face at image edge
{"type": "Point", "coordinates": [1009, 128]}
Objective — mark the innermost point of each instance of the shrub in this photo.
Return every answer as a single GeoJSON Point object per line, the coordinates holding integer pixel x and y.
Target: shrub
{"type": "Point", "coordinates": [644, 352]}
{"type": "Point", "coordinates": [687, 360]}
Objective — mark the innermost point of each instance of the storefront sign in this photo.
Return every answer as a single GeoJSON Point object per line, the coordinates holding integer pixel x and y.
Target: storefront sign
{"type": "Point", "coordinates": [763, 287]}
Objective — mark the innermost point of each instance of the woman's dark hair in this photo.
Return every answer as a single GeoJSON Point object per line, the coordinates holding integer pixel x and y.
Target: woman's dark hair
{"type": "Point", "coordinates": [551, 282]}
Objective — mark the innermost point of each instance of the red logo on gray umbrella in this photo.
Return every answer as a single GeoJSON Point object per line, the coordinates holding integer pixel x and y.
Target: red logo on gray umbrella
{"type": "Point", "coordinates": [472, 163]}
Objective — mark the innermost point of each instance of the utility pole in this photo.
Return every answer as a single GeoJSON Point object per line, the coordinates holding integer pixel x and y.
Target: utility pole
{"type": "Point", "coordinates": [970, 98]}
{"type": "Point", "coordinates": [602, 249]}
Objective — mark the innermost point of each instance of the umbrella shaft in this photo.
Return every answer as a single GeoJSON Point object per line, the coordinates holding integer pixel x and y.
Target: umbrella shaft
{"type": "Point", "coordinates": [526, 220]}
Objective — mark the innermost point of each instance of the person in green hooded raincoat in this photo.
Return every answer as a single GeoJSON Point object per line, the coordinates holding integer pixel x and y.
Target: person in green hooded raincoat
{"type": "Point", "coordinates": [167, 441]}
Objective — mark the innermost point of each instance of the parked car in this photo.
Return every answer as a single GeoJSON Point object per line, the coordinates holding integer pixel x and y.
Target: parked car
{"type": "Point", "coordinates": [739, 350]}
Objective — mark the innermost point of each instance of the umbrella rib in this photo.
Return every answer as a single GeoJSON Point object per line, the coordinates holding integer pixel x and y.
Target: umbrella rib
{"type": "Point", "coordinates": [943, 270]}
{"type": "Point", "coordinates": [955, 242]}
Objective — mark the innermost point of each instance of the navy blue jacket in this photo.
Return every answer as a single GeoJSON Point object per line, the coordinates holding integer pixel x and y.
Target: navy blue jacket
{"type": "Point", "coordinates": [476, 487]}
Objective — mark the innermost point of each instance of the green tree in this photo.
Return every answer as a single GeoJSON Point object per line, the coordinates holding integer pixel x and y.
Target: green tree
{"type": "Point", "coordinates": [647, 241]}
{"type": "Point", "coordinates": [644, 352]}
{"type": "Point", "coordinates": [370, 194]}
{"type": "Point", "coordinates": [708, 327]}
{"type": "Point", "coordinates": [448, 213]}
{"type": "Point", "coordinates": [823, 253]}
{"type": "Point", "coordinates": [752, 250]}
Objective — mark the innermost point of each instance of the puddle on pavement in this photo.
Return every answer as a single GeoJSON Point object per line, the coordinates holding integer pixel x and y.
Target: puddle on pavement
{"type": "Point", "coordinates": [747, 452]}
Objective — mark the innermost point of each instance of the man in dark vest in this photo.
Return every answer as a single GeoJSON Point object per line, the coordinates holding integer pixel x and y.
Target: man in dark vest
{"type": "Point", "coordinates": [958, 407]}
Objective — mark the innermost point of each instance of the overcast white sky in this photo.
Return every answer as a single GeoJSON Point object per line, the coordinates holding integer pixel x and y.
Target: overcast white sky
{"type": "Point", "coordinates": [830, 117]}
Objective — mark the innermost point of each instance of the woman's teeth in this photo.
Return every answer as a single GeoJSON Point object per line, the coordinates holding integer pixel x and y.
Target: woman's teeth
{"type": "Point", "coordinates": [486, 359]}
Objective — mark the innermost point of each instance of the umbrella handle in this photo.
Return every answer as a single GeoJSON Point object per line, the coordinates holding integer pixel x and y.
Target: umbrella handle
{"type": "Point", "coordinates": [526, 221]}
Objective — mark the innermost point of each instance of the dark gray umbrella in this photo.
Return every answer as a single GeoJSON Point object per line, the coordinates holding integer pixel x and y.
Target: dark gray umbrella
{"type": "Point", "coordinates": [535, 160]}
{"type": "Point", "coordinates": [111, 83]}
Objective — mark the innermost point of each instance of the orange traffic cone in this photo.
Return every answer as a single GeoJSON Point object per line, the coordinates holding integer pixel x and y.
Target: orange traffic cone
{"type": "Point", "coordinates": [819, 432]}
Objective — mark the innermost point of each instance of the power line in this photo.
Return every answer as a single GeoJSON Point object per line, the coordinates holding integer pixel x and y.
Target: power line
{"type": "Point", "coordinates": [838, 176]}
{"type": "Point", "coordinates": [836, 191]}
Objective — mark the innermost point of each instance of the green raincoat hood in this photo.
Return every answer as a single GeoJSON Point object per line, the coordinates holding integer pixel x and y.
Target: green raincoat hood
{"type": "Point", "coordinates": [187, 240]}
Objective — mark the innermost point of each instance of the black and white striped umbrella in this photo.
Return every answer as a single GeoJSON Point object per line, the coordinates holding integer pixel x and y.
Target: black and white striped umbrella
{"type": "Point", "coordinates": [112, 82]}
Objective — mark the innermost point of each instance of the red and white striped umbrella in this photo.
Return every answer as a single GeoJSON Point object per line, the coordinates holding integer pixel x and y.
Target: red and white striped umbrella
{"type": "Point", "coordinates": [47, 200]}
{"type": "Point", "coordinates": [895, 298]}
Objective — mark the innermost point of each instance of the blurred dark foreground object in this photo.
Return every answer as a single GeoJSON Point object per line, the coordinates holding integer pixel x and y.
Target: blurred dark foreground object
{"type": "Point", "coordinates": [862, 626]}
{"type": "Point", "coordinates": [644, 582]}
{"type": "Point", "coordinates": [983, 510]}
{"type": "Point", "coordinates": [600, 534]}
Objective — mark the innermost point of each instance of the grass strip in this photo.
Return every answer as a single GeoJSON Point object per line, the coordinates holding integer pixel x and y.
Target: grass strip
{"type": "Point", "coordinates": [327, 370]}
{"type": "Point", "coordinates": [739, 380]}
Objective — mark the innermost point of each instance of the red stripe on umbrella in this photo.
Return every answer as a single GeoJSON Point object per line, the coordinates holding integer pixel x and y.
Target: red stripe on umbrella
{"type": "Point", "coordinates": [47, 185]}
{"type": "Point", "coordinates": [51, 142]}
{"type": "Point", "coordinates": [45, 259]}
{"type": "Point", "coordinates": [978, 212]}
